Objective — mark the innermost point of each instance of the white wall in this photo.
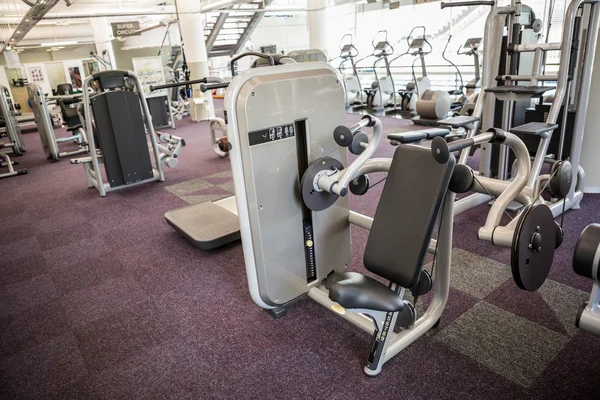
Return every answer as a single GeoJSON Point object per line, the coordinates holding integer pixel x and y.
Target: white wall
{"type": "Point", "coordinates": [591, 141]}
{"type": "Point", "coordinates": [56, 73]}
{"type": "Point", "coordinates": [42, 55]}
{"type": "Point", "coordinates": [286, 32]}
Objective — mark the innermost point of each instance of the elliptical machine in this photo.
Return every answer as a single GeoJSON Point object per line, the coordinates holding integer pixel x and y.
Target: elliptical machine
{"type": "Point", "coordinates": [466, 103]}
{"type": "Point", "coordinates": [354, 93]}
{"type": "Point", "coordinates": [416, 48]}
{"type": "Point", "coordinates": [382, 97]}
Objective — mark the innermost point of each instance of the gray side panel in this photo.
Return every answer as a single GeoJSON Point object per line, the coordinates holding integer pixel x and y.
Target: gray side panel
{"type": "Point", "coordinates": [272, 179]}
{"type": "Point", "coordinates": [158, 110]}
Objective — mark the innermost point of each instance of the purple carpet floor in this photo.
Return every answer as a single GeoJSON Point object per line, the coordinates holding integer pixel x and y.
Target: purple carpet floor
{"type": "Point", "coordinates": [101, 299]}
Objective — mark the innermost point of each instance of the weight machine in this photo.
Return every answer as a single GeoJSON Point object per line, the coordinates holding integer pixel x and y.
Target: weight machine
{"type": "Point", "coordinates": [121, 135]}
{"type": "Point", "coordinates": [68, 103]}
{"type": "Point", "coordinates": [291, 195]}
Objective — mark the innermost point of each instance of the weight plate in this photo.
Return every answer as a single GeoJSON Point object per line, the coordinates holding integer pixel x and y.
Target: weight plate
{"type": "Point", "coordinates": [360, 185]}
{"type": "Point", "coordinates": [406, 317]}
{"type": "Point", "coordinates": [560, 184]}
{"type": "Point", "coordinates": [356, 148]}
{"type": "Point", "coordinates": [424, 285]}
{"type": "Point", "coordinates": [313, 199]}
{"type": "Point", "coordinates": [533, 247]}
{"type": "Point", "coordinates": [462, 179]}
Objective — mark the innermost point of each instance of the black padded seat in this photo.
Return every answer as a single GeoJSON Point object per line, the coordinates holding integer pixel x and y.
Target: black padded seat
{"type": "Point", "coordinates": [407, 136]}
{"type": "Point", "coordinates": [74, 127]}
{"type": "Point", "coordinates": [460, 121]}
{"type": "Point", "coordinates": [534, 128]}
{"type": "Point", "coordinates": [418, 120]}
{"type": "Point", "coordinates": [354, 290]}
{"type": "Point", "coordinates": [410, 136]}
{"type": "Point", "coordinates": [401, 231]}
{"type": "Point", "coordinates": [533, 91]}
{"type": "Point", "coordinates": [435, 132]}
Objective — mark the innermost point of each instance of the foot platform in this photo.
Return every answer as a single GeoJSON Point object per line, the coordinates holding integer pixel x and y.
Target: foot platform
{"type": "Point", "coordinates": [534, 128]}
{"type": "Point", "coordinates": [206, 225]}
{"type": "Point", "coordinates": [518, 93]}
{"type": "Point", "coordinates": [462, 121]}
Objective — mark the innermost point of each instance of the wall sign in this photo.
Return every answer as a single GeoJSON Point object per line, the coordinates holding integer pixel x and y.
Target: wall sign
{"type": "Point", "coordinates": [12, 59]}
{"type": "Point", "coordinates": [129, 28]}
{"type": "Point", "coordinates": [150, 72]}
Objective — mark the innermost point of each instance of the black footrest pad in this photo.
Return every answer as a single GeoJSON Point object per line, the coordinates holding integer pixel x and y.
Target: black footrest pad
{"type": "Point", "coordinates": [458, 122]}
{"type": "Point", "coordinates": [533, 91]}
{"type": "Point", "coordinates": [534, 128]}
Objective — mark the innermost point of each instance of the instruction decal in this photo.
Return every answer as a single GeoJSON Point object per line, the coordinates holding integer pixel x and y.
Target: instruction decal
{"type": "Point", "coordinates": [271, 134]}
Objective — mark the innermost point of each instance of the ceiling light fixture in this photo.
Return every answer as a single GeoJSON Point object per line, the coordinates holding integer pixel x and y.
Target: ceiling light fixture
{"type": "Point", "coordinates": [59, 44]}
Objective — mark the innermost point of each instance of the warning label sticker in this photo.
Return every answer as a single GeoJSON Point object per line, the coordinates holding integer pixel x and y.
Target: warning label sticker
{"type": "Point", "coordinates": [271, 134]}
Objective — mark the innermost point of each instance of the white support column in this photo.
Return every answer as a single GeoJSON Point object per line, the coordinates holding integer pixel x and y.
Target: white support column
{"type": "Point", "coordinates": [318, 25]}
{"type": "Point", "coordinates": [191, 23]}
{"type": "Point", "coordinates": [103, 39]}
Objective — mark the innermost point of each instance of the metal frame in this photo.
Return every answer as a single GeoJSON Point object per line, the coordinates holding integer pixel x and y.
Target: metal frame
{"type": "Point", "coordinates": [6, 162]}
{"type": "Point", "coordinates": [13, 131]}
{"type": "Point", "coordinates": [46, 129]}
{"type": "Point", "coordinates": [589, 320]}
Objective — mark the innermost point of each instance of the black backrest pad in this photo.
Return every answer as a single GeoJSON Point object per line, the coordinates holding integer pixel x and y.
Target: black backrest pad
{"type": "Point", "coordinates": [406, 215]}
{"type": "Point", "coordinates": [122, 137]}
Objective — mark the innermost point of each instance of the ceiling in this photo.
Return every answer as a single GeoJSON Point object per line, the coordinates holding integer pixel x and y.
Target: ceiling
{"type": "Point", "coordinates": [70, 20]}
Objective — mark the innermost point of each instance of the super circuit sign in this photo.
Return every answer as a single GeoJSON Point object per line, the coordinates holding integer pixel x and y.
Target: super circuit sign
{"type": "Point", "coordinates": [130, 28]}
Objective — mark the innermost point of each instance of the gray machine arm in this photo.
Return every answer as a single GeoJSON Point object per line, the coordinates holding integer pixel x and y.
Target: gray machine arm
{"type": "Point", "coordinates": [507, 191]}
{"type": "Point", "coordinates": [338, 182]}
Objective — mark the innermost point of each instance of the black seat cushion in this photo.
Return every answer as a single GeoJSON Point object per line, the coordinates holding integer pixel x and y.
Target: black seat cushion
{"type": "Point", "coordinates": [354, 290]}
{"type": "Point", "coordinates": [412, 136]}
{"type": "Point", "coordinates": [408, 136]}
{"type": "Point", "coordinates": [74, 127]}
{"type": "Point", "coordinates": [406, 215]}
